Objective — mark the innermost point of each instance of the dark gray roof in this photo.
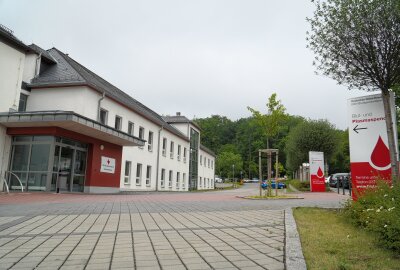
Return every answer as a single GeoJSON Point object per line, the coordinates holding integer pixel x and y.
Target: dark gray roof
{"type": "Point", "coordinates": [69, 72]}
{"type": "Point", "coordinates": [179, 119]}
{"type": "Point", "coordinates": [45, 54]}
{"type": "Point", "coordinates": [8, 35]}
{"type": "Point", "coordinates": [205, 149]}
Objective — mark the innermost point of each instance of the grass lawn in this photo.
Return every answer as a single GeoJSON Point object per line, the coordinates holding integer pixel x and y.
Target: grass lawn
{"type": "Point", "coordinates": [330, 242]}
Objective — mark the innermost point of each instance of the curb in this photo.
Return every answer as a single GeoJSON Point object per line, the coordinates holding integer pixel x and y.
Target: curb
{"type": "Point", "coordinates": [294, 258]}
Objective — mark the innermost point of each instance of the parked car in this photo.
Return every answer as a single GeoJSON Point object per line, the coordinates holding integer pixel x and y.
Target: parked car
{"type": "Point", "coordinates": [343, 179]}
{"type": "Point", "coordinates": [264, 184]}
{"type": "Point", "coordinates": [218, 180]}
{"type": "Point", "coordinates": [254, 180]}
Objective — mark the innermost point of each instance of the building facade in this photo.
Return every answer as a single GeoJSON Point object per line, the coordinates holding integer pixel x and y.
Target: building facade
{"type": "Point", "coordinates": [64, 128]}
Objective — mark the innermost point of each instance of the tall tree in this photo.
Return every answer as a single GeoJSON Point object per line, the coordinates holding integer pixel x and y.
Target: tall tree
{"type": "Point", "coordinates": [358, 43]}
{"type": "Point", "coordinates": [308, 136]}
{"type": "Point", "coordinates": [270, 122]}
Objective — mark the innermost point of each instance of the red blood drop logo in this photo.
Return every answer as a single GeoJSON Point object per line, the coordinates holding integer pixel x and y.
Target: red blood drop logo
{"type": "Point", "coordinates": [380, 156]}
{"type": "Point", "coordinates": [320, 173]}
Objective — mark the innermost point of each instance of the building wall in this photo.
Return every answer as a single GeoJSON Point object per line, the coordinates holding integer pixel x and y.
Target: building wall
{"type": "Point", "coordinates": [84, 100]}
{"type": "Point", "coordinates": [29, 67]}
{"type": "Point", "coordinates": [11, 70]}
{"type": "Point", "coordinates": [173, 163]}
{"type": "Point", "coordinates": [80, 99]}
{"type": "Point", "coordinates": [206, 170]}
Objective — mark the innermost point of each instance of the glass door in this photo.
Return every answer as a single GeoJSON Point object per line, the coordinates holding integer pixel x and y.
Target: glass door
{"type": "Point", "coordinates": [65, 168]}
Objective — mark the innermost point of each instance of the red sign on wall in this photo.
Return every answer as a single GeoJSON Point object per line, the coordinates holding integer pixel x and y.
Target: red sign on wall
{"type": "Point", "coordinates": [317, 179]}
{"type": "Point", "coordinates": [369, 151]}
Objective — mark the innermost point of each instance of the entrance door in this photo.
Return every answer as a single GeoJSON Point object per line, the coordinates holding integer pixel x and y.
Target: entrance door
{"type": "Point", "coordinates": [65, 168]}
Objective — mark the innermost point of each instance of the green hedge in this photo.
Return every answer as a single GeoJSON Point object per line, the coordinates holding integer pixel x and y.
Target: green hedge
{"type": "Point", "coordinates": [378, 211]}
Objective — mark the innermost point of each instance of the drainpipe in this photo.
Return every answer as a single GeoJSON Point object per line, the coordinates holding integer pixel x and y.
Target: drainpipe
{"type": "Point", "coordinates": [98, 106]}
{"type": "Point", "coordinates": [158, 155]}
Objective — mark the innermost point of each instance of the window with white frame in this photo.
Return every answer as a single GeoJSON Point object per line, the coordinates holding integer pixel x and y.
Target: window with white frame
{"type": "Point", "coordinates": [118, 122]}
{"type": "Point", "coordinates": [170, 179]}
{"type": "Point", "coordinates": [127, 175]}
{"type": "Point", "coordinates": [141, 135]}
{"type": "Point", "coordinates": [131, 128]}
{"type": "Point", "coordinates": [179, 152]}
{"type": "Point", "coordinates": [138, 174]}
{"type": "Point", "coordinates": [164, 147]}
{"type": "Point", "coordinates": [148, 175]}
{"type": "Point", "coordinates": [201, 182]}
{"type": "Point", "coordinates": [205, 161]}
{"type": "Point", "coordinates": [103, 116]}
{"type": "Point", "coordinates": [183, 180]}
{"type": "Point", "coordinates": [201, 160]}
{"type": "Point", "coordinates": [212, 164]}
{"type": "Point", "coordinates": [178, 180]}
{"type": "Point", "coordinates": [150, 141]}
{"type": "Point", "coordinates": [184, 154]}
{"type": "Point", "coordinates": [162, 177]}
{"type": "Point", "coordinates": [171, 150]}
{"type": "Point", "coordinates": [208, 163]}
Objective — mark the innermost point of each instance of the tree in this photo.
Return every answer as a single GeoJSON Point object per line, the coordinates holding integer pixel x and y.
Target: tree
{"type": "Point", "coordinates": [224, 163]}
{"type": "Point", "coordinates": [270, 122]}
{"type": "Point", "coordinates": [357, 43]}
{"type": "Point", "coordinates": [312, 135]}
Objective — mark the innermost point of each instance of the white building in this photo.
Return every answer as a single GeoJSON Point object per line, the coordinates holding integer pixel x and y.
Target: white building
{"type": "Point", "coordinates": [63, 127]}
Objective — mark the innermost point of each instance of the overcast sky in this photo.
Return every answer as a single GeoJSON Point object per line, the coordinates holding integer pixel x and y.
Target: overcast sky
{"type": "Point", "coordinates": [199, 57]}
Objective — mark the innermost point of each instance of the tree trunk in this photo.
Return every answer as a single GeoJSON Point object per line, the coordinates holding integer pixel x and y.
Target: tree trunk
{"type": "Point", "coordinates": [391, 135]}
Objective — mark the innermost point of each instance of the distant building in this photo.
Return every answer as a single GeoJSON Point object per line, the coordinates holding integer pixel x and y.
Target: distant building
{"type": "Point", "coordinates": [63, 127]}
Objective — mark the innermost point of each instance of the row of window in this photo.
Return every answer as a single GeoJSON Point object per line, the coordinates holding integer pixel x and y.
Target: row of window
{"type": "Point", "coordinates": [131, 128]}
{"type": "Point", "coordinates": [138, 178]}
{"type": "Point", "coordinates": [179, 183]}
{"type": "Point", "coordinates": [207, 161]}
{"type": "Point", "coordinates": [172, 150]}
{"type": "Point", "coordinates": [205, 182]}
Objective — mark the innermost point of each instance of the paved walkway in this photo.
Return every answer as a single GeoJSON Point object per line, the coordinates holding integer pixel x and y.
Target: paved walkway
{"type": "Point", "coordinates": [202, 230]}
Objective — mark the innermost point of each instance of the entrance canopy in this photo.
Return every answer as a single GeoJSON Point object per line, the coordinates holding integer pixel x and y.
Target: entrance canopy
{"type": "Point", "coordinates": [70, 121]}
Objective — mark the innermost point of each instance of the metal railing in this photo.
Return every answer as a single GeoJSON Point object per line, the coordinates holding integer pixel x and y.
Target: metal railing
{"type": "Point", "coordinates": [5, 183]}
{"type": "Point", "coordinates": [16, 176]}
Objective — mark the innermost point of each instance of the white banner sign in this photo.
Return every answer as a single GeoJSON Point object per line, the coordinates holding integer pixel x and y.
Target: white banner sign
{"type": "Point", "coordinates": [369, 148]}
{"type": "Point", "coordinates": [107, 165]}
{"type": "Point", "coordinates": [317, 179]}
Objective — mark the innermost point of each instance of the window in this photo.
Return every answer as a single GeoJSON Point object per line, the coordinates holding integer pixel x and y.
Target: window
{"type": "Point", "coordinates": [150, 141]}
{"type": "Point", "coordinates": [22, 102]}
{"type": "Point", "coordinates": [171, 150]}
{"type": "Point", "coordinates": [201, 182]}
{"type": "Point", "coordinates": [201, 160]}
{"type": "Point", "coordinates": [131, 128]}
{"type": "Point", "coordinates": [178, 179]}
{"type": "Point", "coordinates": [183, 180]}
{"type": "Point", "coordinates": [208, 163]}
{"type": "Point", "coordinates": [164, 147]}
{"type": "Point", "coordinates": [141, 135]}
{"type": "Point", "coordinates": [148, 175]}
{"type": "Point", "coordinates": [170, 179]}
{"type": "Point", "coordinates": [103, 116]}
{"type": "Point", "coordinates": [184, 154]}
{"type": "Point", "coordinates": [212, 164]}
{"type": "Point", "coordinates": [138, 174]}
{"type": "Point", "coordinates": [127, 177]}
{"type": "Point", "coordinates": [179, 152]}
{"type": "Point", "coordinates": [118, 122]}
{"type": "Point", "coordinates": [162, 177]}
{"type": "Point", "coordinates": [205, 161]}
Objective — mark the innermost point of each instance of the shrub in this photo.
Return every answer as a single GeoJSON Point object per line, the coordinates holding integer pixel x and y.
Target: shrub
{"type": "Point", "coordinates": [378, 211]}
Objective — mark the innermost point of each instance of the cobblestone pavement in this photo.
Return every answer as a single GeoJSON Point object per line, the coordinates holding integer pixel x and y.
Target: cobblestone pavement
{"type": "Point", "coordinates": [204, 230]}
